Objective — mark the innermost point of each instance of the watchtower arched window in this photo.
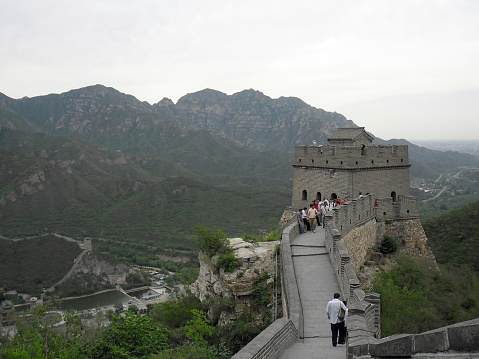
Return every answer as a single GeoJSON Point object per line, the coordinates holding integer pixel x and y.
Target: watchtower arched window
{"type": "Point", "coordinates": [304, 197]}
{"type": "Point", "coordinates": [334, 196]}
{"type": "Point", "coordinates": [318, 196]}
{"type": "Point", "coordinates": [394, 196]}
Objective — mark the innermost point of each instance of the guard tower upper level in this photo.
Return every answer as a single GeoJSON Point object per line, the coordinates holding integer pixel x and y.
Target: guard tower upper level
{"type": "Point", "coordinates": [352, 136]}
{"type": "Point", "coordinates": [349, 166]}
{"type": "Point", "coordinates": [351, 149]}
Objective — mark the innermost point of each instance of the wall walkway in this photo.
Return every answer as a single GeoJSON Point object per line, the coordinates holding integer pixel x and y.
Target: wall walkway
{"type": "Point", "coordinates": [308, 282]}
{"type": "Point", "coordinates": [316, 283]}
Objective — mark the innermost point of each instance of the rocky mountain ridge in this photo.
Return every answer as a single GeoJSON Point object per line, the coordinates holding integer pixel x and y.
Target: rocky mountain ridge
{"type": "Point", "coordinates": [258, 121]}
{"type": "Point", "coordinates": [198, 127]}
{"type": "Point", "coordinates": [104, 115]}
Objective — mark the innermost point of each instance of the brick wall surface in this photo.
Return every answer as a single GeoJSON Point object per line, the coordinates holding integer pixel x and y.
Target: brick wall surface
{"type": "Point", "coordinates": [359, 240]}
{"type": "Point", "coordinates": [343, 171]}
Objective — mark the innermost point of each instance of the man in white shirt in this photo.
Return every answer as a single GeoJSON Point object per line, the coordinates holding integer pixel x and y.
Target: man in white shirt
{"type": "Point", "coordinates": [337, 325]}
{"type": "Point", "coordinates": [324, 209]}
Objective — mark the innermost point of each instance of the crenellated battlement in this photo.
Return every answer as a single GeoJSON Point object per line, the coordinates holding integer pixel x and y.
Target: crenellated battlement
{"type": "Point", "coordinates": [351, 157]}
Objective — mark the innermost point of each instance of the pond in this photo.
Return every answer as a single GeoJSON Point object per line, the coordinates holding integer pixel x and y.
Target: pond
{"type": "Point", "coordinates": [97, 300]}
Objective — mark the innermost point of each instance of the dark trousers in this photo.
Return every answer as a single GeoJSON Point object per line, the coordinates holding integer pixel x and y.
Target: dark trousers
{"type": "Point", "coordinates": [306, 222]}
{"type": "Point", "coordinates": [337, 330]}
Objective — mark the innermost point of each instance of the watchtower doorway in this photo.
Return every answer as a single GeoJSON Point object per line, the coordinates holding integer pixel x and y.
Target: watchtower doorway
{"type": "Point", "coordinates": [394, 196]}
{"type": "Point", "coordinates": [304, 196]}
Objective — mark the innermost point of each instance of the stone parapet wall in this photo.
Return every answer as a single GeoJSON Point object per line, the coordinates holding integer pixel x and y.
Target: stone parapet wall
{"type": "Point", "coordinates": [351, 231]}
{"type": "Point", "coordinates": [288, 216]}
{"type": "Point", "coordinates": [285, 331]}
{"type": "Point", "coordinates": [290, 292]}
{"type": "Point", "coordinates": [404, 207]}
{"type": "Point", "coordinates": [353, 213]}
{"type": "Point", "coordinates": [359, 240]}
{"type": "Point", "coordinates": [271, 342]}
{"type": "Point", "coordinates": [364, 319]}
{"type": "Point", "coordinates": [454, 341]}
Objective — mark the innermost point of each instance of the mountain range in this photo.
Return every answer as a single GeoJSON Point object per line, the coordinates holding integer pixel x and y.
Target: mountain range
{"type": "Point", "coordinates": [95, 161]}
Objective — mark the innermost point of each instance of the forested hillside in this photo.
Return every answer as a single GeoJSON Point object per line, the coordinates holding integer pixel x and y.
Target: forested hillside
{"type": "Point", "coordinates": [419, 295]}
{"type": "Point", "coordinates": [454, 236]}
{"type": "Point", "coordinates": [64, 185]}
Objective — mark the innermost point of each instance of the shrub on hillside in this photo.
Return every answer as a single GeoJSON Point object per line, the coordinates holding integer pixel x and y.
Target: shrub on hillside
{"type": "Point", "coordinates": [389, 245]}
{"type": "Point", "coordinates": [228, 261]}
{"type": "Point", "coordinates": [209, 241]}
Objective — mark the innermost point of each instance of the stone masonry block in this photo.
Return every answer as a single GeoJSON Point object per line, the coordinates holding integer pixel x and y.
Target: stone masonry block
{"type": "Point", "coordinates": [360, 347]}
{"type": "Point", "coordinates": [464, 337]}
{"type": "Point", "coordinates": [400, 345]}
{"type": "Point", "coordinates": [431, 342]}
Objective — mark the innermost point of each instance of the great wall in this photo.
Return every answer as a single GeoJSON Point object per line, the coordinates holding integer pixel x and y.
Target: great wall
{"type": "Point", "coordinates": [375, 179]}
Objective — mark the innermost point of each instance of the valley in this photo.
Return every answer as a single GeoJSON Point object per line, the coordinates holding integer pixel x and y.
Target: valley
{"type": "Point", "coordinates": [136, 178]}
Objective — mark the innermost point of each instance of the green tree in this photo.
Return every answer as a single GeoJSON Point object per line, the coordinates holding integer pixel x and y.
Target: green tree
{"type": "Point", "coordinates": [37, 338]}
{"type": "Point", "coordinates": [403, 310]}
{"type": "Point", "coordinates": [131, 336]}
{"type": "Point", "coordinates": [237, 334]}
{"type": "Point", "coordinates": [198, 329]}
{"type": "Point", "coordinates": [188, 275]}
{"type": "Point", "coordinates": [134, 308]}
{"type": "Point", "coordinates": [389, 245]}
{"type": "Point", "coordinates": [210, 241]}
{"type": "Point", "coordinates": [261, 292]}
{"type": "Point", "coordinates": [174, 314]}
{"type": "Point", "coordinates": [417, 296]}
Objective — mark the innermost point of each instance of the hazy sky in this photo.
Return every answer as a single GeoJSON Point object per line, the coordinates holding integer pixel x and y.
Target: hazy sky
{"type": "Point", "coordinates": [403, 69]}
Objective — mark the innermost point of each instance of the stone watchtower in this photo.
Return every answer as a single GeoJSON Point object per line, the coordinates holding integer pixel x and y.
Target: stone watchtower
{"type": "Point", "coordinates": [348, 167]}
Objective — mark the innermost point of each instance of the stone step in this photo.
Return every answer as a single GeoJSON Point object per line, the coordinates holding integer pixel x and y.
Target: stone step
{"type": "Point", "coordinates": [308, 250]}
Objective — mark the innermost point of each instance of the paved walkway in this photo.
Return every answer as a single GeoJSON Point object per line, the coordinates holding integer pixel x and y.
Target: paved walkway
{"type": "Point", "coordinates": [317, 283]}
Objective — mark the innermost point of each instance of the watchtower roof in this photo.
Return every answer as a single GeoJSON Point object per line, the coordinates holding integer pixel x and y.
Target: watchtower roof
{"type": "Point", "coordinates": [350, 135]}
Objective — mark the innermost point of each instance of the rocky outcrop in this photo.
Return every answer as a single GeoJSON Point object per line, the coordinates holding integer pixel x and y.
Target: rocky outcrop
{"type": "Point", "coordinates": [257, 267]}
{"type": "Point", "coordinates": [32, 184]}
{"type": "Point", "coordinates": [411, 237]}
{"type": "Point", "coordinates": [92, 272]}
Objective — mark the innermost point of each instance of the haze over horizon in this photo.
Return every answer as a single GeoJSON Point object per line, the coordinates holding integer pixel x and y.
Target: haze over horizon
{"type": "Point", "coordinates": [402, 69]}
